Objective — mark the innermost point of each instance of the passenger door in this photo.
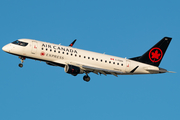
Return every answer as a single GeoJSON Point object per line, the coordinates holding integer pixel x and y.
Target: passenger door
{"type": "Point", "coordinates": [34, 47]}
{"type": "Point", "coordinates": [128, 63]}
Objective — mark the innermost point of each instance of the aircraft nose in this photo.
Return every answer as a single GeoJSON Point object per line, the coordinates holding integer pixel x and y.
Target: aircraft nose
{"type": "Point", "coordinates": [5, 48]}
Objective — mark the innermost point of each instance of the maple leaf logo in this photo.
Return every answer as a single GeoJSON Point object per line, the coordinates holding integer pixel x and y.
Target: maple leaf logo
{"type": "Point", "coordinates": [42, 53]}
{"type": "Point", "coordinates": [155, 54]}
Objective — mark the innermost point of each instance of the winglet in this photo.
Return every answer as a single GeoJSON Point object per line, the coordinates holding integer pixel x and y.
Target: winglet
{"type": "Point", "coordinates": [72, 43]}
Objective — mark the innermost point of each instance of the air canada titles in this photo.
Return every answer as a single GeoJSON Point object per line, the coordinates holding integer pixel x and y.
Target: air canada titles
{"type": "Point", "coordinates": [65, 49]}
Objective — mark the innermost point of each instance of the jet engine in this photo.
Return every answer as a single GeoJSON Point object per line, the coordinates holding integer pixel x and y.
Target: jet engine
{"type": "Point", "coordinates": [73, 70]}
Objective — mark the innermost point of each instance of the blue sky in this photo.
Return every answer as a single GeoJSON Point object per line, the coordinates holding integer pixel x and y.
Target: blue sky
{"type": "Point", "coordinates": [125, 28]}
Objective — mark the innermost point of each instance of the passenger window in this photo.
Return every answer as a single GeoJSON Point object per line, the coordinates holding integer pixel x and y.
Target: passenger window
{"type": "Point", "coordinates": [113, 62]}
{"type": "Point", "coordinates": [117, 63]}
{"type": "Point", "coordinates": [92, 58]}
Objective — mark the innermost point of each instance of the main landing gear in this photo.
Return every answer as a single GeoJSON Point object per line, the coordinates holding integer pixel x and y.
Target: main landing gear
{"type": "Point", "coordinates": [86, 78]}
{"type": "Point", "coordinates": [22, 60]}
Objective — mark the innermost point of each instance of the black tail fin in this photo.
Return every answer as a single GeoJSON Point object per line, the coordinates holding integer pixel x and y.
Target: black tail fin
{"type": "Point", "coordinates": [154, 55]}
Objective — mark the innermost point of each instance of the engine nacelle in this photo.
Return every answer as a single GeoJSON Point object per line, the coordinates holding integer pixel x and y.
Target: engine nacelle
{"type": "Point", "coordinates": [73, 70]}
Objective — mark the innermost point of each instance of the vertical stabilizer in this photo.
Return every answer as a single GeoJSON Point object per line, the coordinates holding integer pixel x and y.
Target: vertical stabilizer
{"type": "Point", "coordinates": [154, 55]}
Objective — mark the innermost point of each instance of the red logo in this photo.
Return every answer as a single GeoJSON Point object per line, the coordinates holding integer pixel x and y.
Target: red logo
{"type": "Point", "coordinates": [72, 70]}
{"type": "Point", "coordinates": [42, 53]}
{"type": "Point", "coordinates": [155, 54]}
{"type": "Point", "coordinates": [71, 44]}
{"type": "Point", "coordinates": [111, 58]}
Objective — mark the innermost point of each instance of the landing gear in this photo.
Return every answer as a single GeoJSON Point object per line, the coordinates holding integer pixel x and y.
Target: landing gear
{"type": "Point", "coordinates": [20, 65]}
{"type": "Point", "coordinates": [22, 60]}
{"type": "Point", "coordinates": [86, 78]}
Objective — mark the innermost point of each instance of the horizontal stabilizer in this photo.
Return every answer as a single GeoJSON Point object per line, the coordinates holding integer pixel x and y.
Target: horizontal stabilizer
{"type": "Point", "coordinates": [161, 70]}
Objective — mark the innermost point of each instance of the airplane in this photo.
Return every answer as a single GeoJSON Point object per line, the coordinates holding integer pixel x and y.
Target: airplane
{"type": "Point", "coordinates": [77, 61]}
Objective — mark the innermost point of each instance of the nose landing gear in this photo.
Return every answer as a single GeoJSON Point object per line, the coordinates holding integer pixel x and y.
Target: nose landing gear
{"type": "Point", "coordinates": [22, 60]}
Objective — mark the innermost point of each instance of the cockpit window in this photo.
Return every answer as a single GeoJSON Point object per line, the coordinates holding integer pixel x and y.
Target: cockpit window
{"type": "Point", "coordinates": [20, 43]}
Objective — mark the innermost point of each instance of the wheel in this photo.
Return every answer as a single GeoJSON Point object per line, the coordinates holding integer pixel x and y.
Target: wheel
{"type": "Point", "coordinates": [86, 78]}
{"type": "Point", "coordinates": [20, 65]}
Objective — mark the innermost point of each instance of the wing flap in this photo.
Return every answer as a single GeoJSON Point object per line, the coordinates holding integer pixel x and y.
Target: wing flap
{"type": "Point", "coordinates": [101, 70]}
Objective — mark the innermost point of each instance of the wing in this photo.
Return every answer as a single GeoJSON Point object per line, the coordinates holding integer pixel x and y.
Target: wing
{"type": "Point", "coordinates": [96, 70]}
{"type": "Point", "coordinates": [86, 68]}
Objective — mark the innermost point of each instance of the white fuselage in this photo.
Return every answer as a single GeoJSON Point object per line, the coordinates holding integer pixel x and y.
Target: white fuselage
{"type": "Point", "coordinates": [49, 52]}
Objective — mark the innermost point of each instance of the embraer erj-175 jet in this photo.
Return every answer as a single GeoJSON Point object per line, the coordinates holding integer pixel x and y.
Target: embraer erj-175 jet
{"type": "Point", "coordinates": [76, 61]}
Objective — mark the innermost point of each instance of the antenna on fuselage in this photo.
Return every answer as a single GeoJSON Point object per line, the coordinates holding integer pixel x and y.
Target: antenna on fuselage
{"type": "Point", "coordinates": [72, 43]}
